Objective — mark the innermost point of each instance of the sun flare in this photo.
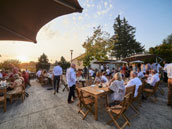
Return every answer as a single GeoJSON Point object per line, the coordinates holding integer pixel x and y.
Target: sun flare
{"type": "Point", "coordinates": [23, 58]}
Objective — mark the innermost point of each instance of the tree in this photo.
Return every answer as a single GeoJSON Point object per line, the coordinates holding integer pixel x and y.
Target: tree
{"type": "Point", "coordinates": [64, 64]}
{"type": "Point", "coordinates": [96, 46]}
{"type": "Point", "coordinates": [163, 50]}
{"type": "Point", "coordinates": [124, 42]}
{"type": "Point", "coordinates": [7, 65]}
{"type": "Point", "coordinates": [43, 62]}
{"type": "Point", "coordinates": [31, 66]}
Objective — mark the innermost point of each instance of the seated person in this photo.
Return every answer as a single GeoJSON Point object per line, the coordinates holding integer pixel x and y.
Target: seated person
{"type": "Point", "coordinates": [50, 77]}
{"type": "Point", "coordinates": [134, 81]}
{"type": "Point", "coordinates": [79, 75]}
{"type": "Point", "coordinates": [91, 73]}
{"type": "Point", "coordinates": [117, 86]}
{"type": "Point", "coordinates": [97, 79]}
{"type": "Point", "coordinates": [104, 78]}
{"type": "Point", "coordinates": [140, 74]}
{"type": "Point", "coordinates": [44, 77]}
{"type": "Point", "coordinates": [152, 80]}
{"type": "Point", "coordinates": [16, 85]}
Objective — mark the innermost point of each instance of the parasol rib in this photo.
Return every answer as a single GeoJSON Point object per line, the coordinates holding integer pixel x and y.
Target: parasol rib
{"type": "Point", "coordinates": [13, 32]}
{"type": "Point", "coordinates": [64, 4]}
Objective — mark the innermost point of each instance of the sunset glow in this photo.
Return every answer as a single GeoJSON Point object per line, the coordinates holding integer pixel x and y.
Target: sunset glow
{"type": "Point", "coordinates": [22, 58]}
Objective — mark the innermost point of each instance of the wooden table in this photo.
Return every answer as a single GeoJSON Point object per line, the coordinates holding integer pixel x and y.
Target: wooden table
{"type": "Point", "coordinates": [96, 93]}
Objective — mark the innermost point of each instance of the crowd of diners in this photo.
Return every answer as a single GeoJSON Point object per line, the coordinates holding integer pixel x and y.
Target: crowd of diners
{"type": "Point", "coordinates": [45, 77]}
{"type": "Point", "coordinates": [117, 79]}
{"type": "Point", "coordinates": [14, 80]}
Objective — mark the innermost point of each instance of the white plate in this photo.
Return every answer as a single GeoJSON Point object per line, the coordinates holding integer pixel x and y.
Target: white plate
{"type": "Point", "coordinates": [93, 85]}
{"type": "Point", "coordinates": [101, 90]}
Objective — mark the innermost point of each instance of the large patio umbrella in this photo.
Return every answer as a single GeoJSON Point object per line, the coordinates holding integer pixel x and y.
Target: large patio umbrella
{"type": "Point", "coordinates": [22, 19]}
{"type": "Point", "coordinates": [120, 62]}
{"type": "Point", "coordinates": [137, 62]}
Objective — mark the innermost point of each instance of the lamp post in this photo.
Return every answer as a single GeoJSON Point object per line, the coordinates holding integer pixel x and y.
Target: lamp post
{"type": "Point", "coordinates": [71, 51]}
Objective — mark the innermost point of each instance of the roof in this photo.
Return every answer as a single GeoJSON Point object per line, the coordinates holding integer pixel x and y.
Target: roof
{"type": "Point", "coordinates": [79, 57]}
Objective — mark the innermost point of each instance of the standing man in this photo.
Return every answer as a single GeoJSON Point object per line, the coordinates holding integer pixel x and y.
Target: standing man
{"type": "Point", "coordinates": [57, 72]}
{"type": "Point", "coordinates": [71, 80]}
{"type": "Point", "coordinates": [102, 68]}
{"type": "Point", "coordinates": [169, 74]}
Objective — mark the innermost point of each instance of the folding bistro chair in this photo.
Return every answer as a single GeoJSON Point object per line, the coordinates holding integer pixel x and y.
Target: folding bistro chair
{"type": "Point", "coordinates": [161, 90]}
{"type": "Point", "coordinates": [18, 93]}
{"type": "Point", "coordinates": [152, 92]}
{"type": "Point", "coordinates": [65, 85]}
{"type": "Point", "coordinates": [85, 102]}
{"type": "Point", "coordinates": [131, 90]}
{"type": "Point", "coordinates": [119, 110]}
{"type": "Point", "coordinates": [3, 98]}
{"type": "Point", "coordinates": [138, 97]}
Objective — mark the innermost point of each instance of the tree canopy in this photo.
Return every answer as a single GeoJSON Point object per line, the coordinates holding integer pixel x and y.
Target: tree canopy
{"type": "Point", "coordinates": [7, 64]}
{"type": "Point", "coordinates": [43, 62]}
{"type": "Point", "coordinates": [96, 46]}
{"type": "Point", "coordinates": [64, 64]}
{"type": "Point", "coordinates": [163, 50]}
{"type": "Point", "coordinates": [124, 42]}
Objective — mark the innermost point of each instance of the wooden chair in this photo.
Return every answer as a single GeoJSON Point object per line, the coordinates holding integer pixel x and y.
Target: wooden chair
{"type": "Point", "coordinates": [86, 103]}
{"type": "Point", "coordinates": [131, 90]}
{"type": "Point", "coordinates": [161, 90]}
{"type": "Point", "coordinates": [65, 85]}
{"type": "Point", "coordinates": [119, 110]}
{"type": "Point", "coordinates": [3, 98]}
{"type": "Point", "coordinates": [137, 99]}
{"type": "Point", "coordinates": [20, 93]}
{"type": "Point", "coordinates": [89, 82]}
{"type": "Point", "coordinates": [85, 95]}
{"type": "Point", "coordinates": [152, 92]}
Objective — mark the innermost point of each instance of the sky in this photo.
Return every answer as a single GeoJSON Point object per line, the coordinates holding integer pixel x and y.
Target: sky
{"type": "Point", "coordinates": [152, 19]}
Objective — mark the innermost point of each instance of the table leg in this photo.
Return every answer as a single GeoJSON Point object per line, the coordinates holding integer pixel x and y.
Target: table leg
{"type": "Point", "coordinates": [96, 108]}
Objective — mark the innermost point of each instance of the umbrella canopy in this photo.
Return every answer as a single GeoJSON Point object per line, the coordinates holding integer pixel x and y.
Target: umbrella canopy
{"type": "Point", "coordinates": [139, 57]}
{"type": "Point", "coordinates": [22, 19]}
{"type": "Point", "coordinates": [120, 62]}
{"type": "Point", "coordinates": [137, 62]}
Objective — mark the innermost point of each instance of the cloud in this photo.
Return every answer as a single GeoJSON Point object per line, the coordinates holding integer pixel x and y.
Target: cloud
{"type": "Point", "coordinates": [80, 18]}
{"type": "Point", "coordinates": [105, 4]}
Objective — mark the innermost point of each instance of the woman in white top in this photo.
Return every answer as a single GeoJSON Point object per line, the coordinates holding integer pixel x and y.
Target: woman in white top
{"type": "Point", "coordinates": [117, 86]}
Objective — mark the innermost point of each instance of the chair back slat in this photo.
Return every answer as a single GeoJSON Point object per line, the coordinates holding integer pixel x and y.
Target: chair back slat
{"type": "Point", "coordinates": [140, 89]}
{"type": "Point", "coordinates": [155, 88]}
{"type": "Point", "coordinates": [130, 89]}
{"type": "Point", "coordinates": [3, 91]}
{"type": "Point", "coordinates": [126, 102]}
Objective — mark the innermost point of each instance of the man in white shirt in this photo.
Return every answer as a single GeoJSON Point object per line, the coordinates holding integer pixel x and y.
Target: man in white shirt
{"type": "Point", "coordinates": [38, 74]}
{"type": "Point", "coordinates": [57, 72]}
{"type": "Point", "coordinates": [71, 80]}
{"type": "Point", "coordinates": [140, 73]}
{"type": "Point", "coordinates": [143, 68]}
{"type": "Point", "coordinates": [102, 68]}
{"type": "Point", "coordinates": [154, 79]}
{"type": "Point", "coordinates": [108, 71]}
{"type": "Point", "coordinates": [134, 81]}
{"type": "Point", "coordinates": [169, 74]}
{"type": "Point", "coordinates": [158, 67]}
{"type": "Point", "coordinates": [91, 72]}
{"type": "Point", "coordinates": [1, 76]}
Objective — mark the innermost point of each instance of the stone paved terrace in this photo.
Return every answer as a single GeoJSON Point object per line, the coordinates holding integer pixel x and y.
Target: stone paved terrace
{"type": "Point", "coordinates": [44, 110]}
